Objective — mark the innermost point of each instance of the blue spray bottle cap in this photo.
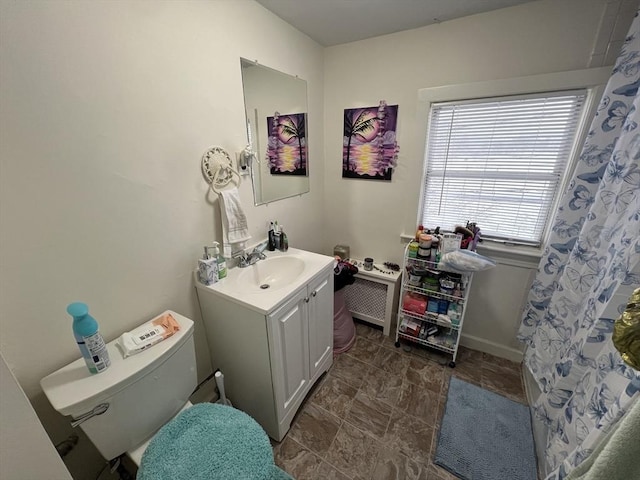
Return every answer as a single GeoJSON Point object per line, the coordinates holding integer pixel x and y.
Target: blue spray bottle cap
{"type": "Point", "coordinates": [77, 309]}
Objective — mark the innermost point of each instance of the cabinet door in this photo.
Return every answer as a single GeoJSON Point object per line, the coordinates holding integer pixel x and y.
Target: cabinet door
{"type": "Point", "coordinates": [320, 325]}
{"type": "Point", "coordinates": [288, 334]}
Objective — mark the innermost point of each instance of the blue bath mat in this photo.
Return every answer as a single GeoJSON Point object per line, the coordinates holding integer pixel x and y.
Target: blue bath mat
{"type": "Point", "coordinates": [485, 436]}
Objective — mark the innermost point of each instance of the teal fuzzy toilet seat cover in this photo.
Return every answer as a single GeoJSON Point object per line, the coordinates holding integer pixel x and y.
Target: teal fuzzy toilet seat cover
{"type": "Point", "coordinates": [210, 441]}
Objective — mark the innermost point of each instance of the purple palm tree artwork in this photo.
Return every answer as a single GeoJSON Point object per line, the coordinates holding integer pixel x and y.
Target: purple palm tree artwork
{"type": "Point", "coordinates": [287, 144]}
{"type": "Point", "coordinates": [370, 150]}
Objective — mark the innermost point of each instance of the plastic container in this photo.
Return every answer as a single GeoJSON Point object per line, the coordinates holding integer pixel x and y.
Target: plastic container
{"type": "Point", "coordinates": [207, 269]}
{"type": "Point", "coordinates": [424, 253]}
{"type": "Point", "coordinates": [90, 342]}
{"type": "Point", "coordinates": [284, 240]}
{"type": "Point", "coordinates": [432, 305]}
{"type": "Point", "coordinates": [431, 283]}
{"type": "Point", "coordinates": [413, 249]}
{"type": "Point", "coordinates": [222, 264]}
{"type": "Point", "coordinates": [425, 240]}
{"type": "Point", "coordinates": [453, 312]}
{"type": "Point", "coordinates": [443, 306]}
{"type": "Point", "coordinates": [341, 251]}
{"type": "Point", "coordinates": [271, 244]}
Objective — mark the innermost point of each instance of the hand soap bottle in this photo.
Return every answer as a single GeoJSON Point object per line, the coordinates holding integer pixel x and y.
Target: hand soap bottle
{"type": "Point", "coordinates": [271, 243]}
{"type": "Point", "coordinates": [284, 241]}
{"type": "Point", "coordinates": [207, 269]}
{"type": "Point", "coordinates": [222, 264]}
{"type": "Point", "coordinates": [91, 344]}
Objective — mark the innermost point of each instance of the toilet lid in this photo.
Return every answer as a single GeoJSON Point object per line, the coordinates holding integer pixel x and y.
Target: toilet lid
{"type": "Point", "coordinates": [208, 441]}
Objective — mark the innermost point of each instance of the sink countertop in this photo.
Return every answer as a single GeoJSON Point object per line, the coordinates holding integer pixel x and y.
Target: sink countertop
{"type": "Point", "coordinates": [266, 301]}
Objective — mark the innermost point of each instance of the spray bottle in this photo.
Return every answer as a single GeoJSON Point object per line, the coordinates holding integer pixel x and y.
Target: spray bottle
{"type": "Point", "coordinates": [91, 344]}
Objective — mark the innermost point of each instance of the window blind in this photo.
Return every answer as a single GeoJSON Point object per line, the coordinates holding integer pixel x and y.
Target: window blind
{"type": "Point", "coordinates": [499, 162]}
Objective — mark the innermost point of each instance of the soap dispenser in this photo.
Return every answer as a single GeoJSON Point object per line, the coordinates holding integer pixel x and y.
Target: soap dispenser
{"type": "Point", "coordinates": [284, 241]}
{"type": "Point", "coordinates": [222, 264]}
{"type": "Point", "coordinates": [207, 268]}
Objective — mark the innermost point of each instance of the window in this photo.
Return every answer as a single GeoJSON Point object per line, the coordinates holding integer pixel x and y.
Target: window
{"type": "Point", "coordinates": [499, 162]}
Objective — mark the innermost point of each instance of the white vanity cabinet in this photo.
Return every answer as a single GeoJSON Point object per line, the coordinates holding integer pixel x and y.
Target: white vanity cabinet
{"type": "Point", "coordinates": [301, 342]}
{"type": "Point", "coordinates": [272, 356]}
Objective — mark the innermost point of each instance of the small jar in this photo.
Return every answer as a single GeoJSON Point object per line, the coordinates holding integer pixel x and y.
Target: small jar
{"type": "Point", "coordinates": [425, 240]}
{"type": "Point", "coordinates": [424, 253]}
{"type": "Point", "coordinates": [368, 263]}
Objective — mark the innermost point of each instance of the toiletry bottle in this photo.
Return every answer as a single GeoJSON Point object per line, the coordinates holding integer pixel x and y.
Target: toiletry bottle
{"type": "Point", "coordinates": [418, 233]}
{"type": "Point", "coordinates": [271, 242]}
{"type": "Point", "coordinates": [276, 233]}
{"type": "Point", "coordinates": [207, 269]}
{"type": "Point", "coordinates": [284, 241]}
{"type": "Point", "coordinates": [413, 249]}
{"type": "Point", "coordinates": [88, 338]}
{"type": "Point", "coordinates": [222, 264]}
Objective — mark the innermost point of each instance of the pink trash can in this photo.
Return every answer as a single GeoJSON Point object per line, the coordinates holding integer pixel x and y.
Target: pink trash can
{"type": "Point", "coordinates": [344, 330]}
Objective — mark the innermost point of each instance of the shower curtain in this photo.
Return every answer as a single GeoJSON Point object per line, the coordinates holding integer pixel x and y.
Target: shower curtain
{"type": "Point", "coordinates": [587, 272]}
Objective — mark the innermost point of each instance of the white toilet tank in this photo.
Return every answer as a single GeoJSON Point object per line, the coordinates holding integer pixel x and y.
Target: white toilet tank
{"type": "Point", "coordinates": [143, 391]}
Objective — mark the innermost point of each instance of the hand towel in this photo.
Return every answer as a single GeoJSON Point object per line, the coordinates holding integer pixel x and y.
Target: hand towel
{"type": "Point", "coordinates": [234, 222]}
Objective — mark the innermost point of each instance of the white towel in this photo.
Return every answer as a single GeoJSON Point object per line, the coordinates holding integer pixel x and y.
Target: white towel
{"type": "Point", "coordinates": [234, 222]}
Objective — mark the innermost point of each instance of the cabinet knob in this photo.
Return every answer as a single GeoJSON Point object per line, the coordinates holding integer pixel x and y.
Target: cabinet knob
{"type": "Point", "coordinates": [314, 293]}
{"type": "Point", "coordinates": [306, 300]}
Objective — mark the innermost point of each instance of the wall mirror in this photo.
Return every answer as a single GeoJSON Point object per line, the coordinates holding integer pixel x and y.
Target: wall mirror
{"type": "Point", "coordinates": [276, 109]}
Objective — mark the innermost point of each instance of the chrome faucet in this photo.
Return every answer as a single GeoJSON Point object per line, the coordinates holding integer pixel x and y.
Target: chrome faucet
{"type": "Point", "coordinates": [247, 259]}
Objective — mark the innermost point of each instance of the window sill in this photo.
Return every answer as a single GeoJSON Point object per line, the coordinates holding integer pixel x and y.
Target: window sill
{"type": "Point", "coordinates": [527, 256]}
{"type": "Point", "coordinates": [516, 255]}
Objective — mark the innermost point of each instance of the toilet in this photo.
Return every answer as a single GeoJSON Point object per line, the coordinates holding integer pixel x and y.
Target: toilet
{"type": "Point", "coordinates": [142, 392]}
{"type": "Point", "coordinates": [122, 408]}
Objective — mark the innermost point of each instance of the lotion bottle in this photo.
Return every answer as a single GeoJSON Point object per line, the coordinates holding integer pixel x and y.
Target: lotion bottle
{"type": "Point", "coordinates": [222, 264]}
{"type": "Point", "coordinates": [91, 344]}
{"type": "Point", "coordinates": [207, 269]}
{"type": "Point", "coordinates": [284, 241]}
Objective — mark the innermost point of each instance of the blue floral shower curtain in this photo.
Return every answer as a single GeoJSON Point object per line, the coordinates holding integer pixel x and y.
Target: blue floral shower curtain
{"type": "Point", "coordinates": [586, 274]}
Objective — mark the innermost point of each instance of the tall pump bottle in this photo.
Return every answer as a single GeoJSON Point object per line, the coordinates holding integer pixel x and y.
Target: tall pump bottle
{"type": "Point", "coordinates": [91, 344]}
{"type": "Point", "coordinates": [222, 264]}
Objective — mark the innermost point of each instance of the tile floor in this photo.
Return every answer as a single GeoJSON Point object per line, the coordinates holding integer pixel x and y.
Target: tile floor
{"type": "Point", "coordinates": [375, 414]}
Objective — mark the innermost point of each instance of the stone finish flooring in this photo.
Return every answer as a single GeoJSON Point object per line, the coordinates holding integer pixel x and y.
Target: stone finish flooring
{"type": "Point", "coordinates": [375, 414]}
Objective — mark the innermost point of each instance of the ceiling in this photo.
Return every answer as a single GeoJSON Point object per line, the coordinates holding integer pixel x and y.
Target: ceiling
{"type": "Point", "coordinates": [332, 22]}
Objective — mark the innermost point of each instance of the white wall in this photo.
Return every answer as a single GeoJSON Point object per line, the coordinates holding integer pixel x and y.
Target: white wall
{"type": "Point", "coordinates": [534, 38]}
{"type": "Point", "coordinates": [21, 428]}
{"type": "Point", "coordinates": [106, 109]}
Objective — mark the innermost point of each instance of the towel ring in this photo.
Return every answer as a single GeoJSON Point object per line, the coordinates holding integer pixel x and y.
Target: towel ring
{"type": "Point", "coordinates": [217, 168]}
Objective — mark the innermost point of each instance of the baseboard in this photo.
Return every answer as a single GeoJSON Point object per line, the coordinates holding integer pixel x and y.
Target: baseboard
{"type": "Point", "coordinates": [492, 348]}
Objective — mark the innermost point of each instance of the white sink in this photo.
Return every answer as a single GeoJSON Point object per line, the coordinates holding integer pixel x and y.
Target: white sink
{"type": "Point", "coordinates": [268, 283]}
{"type": "Point", "coordinates": [270, 274]}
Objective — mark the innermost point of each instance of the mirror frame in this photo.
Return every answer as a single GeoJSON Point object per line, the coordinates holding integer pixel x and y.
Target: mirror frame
{"type": "Point", "coordinates": [268, 91]}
